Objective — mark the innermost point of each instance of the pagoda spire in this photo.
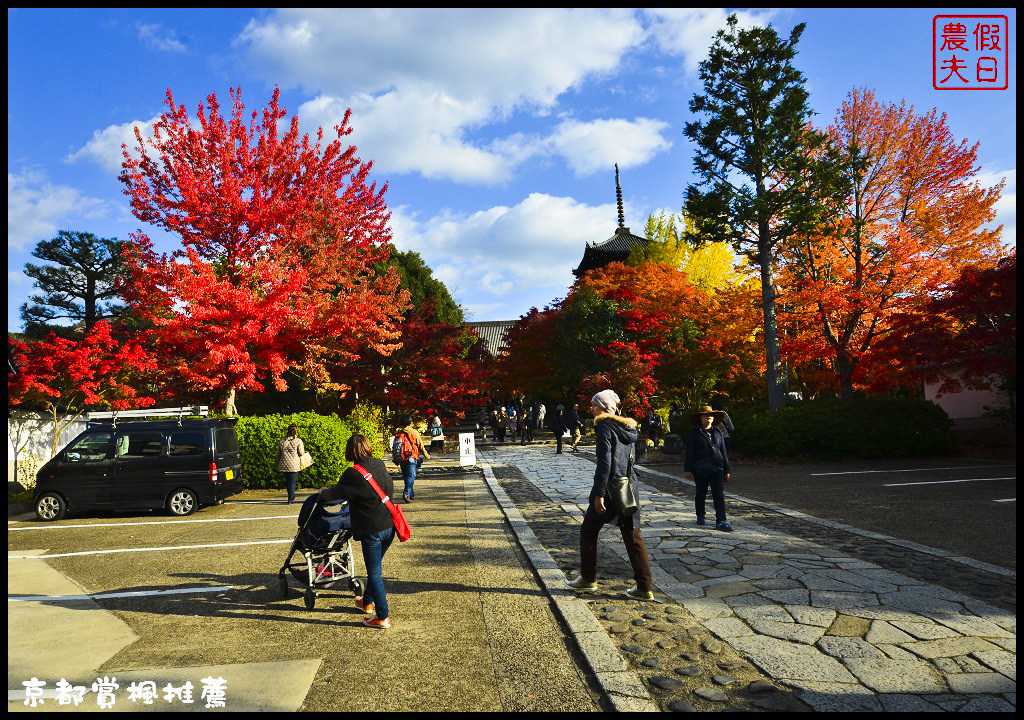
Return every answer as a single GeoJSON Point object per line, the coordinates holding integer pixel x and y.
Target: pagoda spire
{"type": "Point", "coordinates": [618, 196]}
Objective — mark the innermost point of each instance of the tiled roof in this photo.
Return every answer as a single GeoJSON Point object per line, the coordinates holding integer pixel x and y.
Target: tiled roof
{"type": "Point", "coordinates": [615, 248]}
{"type": "Point", "coordinates": [492, 332]}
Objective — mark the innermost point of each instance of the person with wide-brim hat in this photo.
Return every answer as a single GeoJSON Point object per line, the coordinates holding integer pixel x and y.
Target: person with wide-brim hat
{"type": "Point", "coordinates": [707, 463]}
{"type": "Point", "coordinates": [718, 415]}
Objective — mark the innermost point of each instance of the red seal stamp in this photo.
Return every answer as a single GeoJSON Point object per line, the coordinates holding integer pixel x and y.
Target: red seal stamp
{"type": "Point", "coordinates": [970, 52]}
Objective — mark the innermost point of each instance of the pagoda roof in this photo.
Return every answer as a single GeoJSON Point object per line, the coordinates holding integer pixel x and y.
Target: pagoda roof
{"type": "Point", "coordinates": [614, 249]}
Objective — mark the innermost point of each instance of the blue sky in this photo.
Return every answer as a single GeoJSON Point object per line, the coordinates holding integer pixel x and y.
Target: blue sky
{"type": "Point", "coordinates": [497, 131]}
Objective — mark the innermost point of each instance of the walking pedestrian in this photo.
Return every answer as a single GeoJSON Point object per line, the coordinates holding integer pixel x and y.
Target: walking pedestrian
{"type": "Point", "coordinates": [289, 450]}
{"type": "Point", "coordinates": [436, 432]}
{"type": "Point", "coordinates": [575, 426]}
{"type": "Point", "coordinates": [707, 464]}
{"type": "Point", "coordinates": [616, 445]}
{"type": "Point", "coordinates": [558, 427]}
{"type": "Point", "coordinates": [410, 466]}
{"type": "Point", "coordinates": [526, 427]}
{"type": "Point", "coordinates": [502, 424]}
{"type": "Point", "coordinates": [372, 524]}
{"type": "Point", "coordinates": [541, 410]}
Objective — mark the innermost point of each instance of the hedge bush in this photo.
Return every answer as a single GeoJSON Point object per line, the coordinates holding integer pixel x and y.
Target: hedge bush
{"type": "Point", "coordinates": [324, 437]}
{"type": "Point", "coordinates": [845, 429]}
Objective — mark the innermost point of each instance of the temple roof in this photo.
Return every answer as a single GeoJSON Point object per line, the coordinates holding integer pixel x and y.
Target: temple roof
{"type": "Point", "coordinates": [492, 332]}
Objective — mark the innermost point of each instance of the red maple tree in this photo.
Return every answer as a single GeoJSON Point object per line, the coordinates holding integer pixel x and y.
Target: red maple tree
{"type": "Point", "coordinates": [279, 234]}
{"type": "Point", "coordinates": [965, 337]}
{"type": "Point", "coordinates": [65, 378]}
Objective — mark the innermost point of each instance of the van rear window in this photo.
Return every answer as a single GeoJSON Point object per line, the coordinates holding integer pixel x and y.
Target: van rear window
{"type": "Point", "coordinates": [188, 443]}
{"type": "Point", "coordinates": [226, 440]}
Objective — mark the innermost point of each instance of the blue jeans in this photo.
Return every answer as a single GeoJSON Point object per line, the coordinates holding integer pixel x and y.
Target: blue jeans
{"type": "Point", "coordinates": [291, 479]}
{"type": "Point", "coordinates": [374, 547]}
{"type": "Point", "coordinates": [409, 475]}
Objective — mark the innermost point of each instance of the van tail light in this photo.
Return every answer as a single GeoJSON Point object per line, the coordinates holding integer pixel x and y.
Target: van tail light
{"type": "Point", "coordinates": [213, 472]}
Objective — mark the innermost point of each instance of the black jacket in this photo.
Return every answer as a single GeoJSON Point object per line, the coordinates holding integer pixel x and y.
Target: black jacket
{"type": "Point", "coordinates": [369, 514]}
{"type": "Point", "coordinates": [698, 448]}
{"type": "Point", "coordinates": [616, 438]}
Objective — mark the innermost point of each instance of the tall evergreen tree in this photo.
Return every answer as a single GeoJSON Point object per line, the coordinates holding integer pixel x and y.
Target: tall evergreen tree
{"type": "Point", "coordinates": [77, 287]}
{"type": "Point", "coordinates": [754, 152]}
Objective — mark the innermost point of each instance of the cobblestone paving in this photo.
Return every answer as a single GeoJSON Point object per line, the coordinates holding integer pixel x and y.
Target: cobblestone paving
{"type": "Point", "coordinates": [993, 588]}
{"type": "Point", "coordinates": [768, 611]}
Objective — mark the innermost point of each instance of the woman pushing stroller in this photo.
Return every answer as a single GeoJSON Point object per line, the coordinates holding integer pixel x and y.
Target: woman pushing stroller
{"type": "Point", "coordinates": [372, 524]}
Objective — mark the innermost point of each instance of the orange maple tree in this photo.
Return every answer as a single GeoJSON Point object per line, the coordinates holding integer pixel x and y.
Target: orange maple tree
{"type": "Point", "coordinates": [913, 217]}
{"type": "Point", "coordinates": [278, 235]}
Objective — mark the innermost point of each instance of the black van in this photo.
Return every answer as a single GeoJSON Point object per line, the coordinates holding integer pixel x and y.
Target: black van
{"type": "Point", "coordinates": [179, 465]}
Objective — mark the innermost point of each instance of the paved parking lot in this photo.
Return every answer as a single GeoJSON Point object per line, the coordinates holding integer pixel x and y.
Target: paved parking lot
{"type": "Point", "coordinates": [966, 507]}
{"type": "Point", "coordinates": [182, 600]}
{"type": "Point", "coordinates": [789, 612]}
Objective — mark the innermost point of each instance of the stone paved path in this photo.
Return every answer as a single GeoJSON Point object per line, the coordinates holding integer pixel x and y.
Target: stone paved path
{"type": "Point", "coordinates": [766, 619]}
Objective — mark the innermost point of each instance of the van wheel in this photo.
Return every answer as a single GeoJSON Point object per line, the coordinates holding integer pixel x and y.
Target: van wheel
{"type": "Point", "coordinates": [182, 502]}
{"type": "Point", "coordinates": [51, 507]}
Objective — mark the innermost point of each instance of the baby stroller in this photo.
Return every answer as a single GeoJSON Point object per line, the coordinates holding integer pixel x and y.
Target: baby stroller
{"type": "Point", "coordinates": [324, 542]}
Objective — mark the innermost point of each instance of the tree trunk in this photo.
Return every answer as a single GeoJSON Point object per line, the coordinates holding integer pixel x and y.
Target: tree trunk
{"type": "Point", "coordinates": [845, 369]}
{"type": "Point", "coordinates": [772, 356]}
{"type": "Point", "coordinates": [229, 404]}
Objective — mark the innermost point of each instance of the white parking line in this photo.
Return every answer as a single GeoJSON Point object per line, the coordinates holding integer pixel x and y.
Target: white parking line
{"type": "Point", "coordinates": [153, 522]}
{"type": "Point", "coordinates": [865, 472]}
{"type": "Point", "coordinates": [101, 596]}
{"type": "Point", "coordinates": [145, 549]}
{"type": "Point", "coordinates": [1006, 500]}
{"type": "Point", "coordinates": [943, 482]}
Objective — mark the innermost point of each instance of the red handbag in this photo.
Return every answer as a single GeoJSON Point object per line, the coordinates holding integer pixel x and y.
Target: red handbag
{"type": "Point", "coordinates": [401, 526]}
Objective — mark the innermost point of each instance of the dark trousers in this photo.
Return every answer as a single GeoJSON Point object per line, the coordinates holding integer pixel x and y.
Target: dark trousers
{"type": "Point", "coordinates": [715, 481]}
{"type": "Point", "coordinates": [290, 481]}
{"type": "Point", "coordinates": [635, 548]}
{"type": "Point", "coordinates": [558, 440]}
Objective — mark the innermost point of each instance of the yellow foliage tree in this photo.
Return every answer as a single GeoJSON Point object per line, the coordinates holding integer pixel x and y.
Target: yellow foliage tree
{"type": "Point", "coordinates": [711, 267]}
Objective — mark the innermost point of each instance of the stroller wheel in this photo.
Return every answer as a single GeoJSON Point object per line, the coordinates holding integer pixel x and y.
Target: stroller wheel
{"type": "Point", "coordinates": [310, 598]}
{"type": "Point", "coordinates": [284, 585]}
{"type": "Point", "coordinates": [356, 587]}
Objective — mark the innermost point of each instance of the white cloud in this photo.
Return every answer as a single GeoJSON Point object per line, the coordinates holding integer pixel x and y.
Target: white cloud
{"type": "Point", "coordinates": [503, 57]}
{"type": "Point", "coordinates": [35, 208]}
{"type": "Point", "coordinates": [596, 146]}
{"type": "Point", "coordinates": [1006, 206]}
{"type": "Point", "coordinates": [690, 31]}
{"type": "Point", "coordinates": [159, 38]}
{"type": "Point", "coordinates": [421, 82]}
{"type": "Point", "coordinates": [105, 146]}
{"type": "Point", "coordinates": [507, 258]}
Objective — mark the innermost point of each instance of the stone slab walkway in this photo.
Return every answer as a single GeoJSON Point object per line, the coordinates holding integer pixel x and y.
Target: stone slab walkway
{"type": "Point", "coordinates": [837, 631]}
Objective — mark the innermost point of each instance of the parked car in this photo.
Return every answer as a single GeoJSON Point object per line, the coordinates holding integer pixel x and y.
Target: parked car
{"type": "Point", "coordinates": [179, 465]}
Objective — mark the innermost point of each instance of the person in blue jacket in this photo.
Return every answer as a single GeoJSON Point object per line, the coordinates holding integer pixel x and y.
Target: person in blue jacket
{"type": "Point", "coordinates": [707, 464]}
{"type": "Point", "coordinates": [616, 441]}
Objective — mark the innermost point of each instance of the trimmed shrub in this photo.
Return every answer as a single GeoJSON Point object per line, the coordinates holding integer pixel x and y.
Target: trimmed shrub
{"type": "Point", "coordinates": [845, 429]}
{"type": "Point", "coordinates": [324, 437]}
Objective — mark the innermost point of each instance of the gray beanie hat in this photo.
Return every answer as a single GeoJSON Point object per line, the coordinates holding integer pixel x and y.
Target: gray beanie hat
{"type": "Point", "coordinates": [607, 400]}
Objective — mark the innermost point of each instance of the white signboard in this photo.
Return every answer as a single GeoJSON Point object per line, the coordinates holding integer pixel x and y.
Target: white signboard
{"type": "Point", "coordinates": [467, 449]}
